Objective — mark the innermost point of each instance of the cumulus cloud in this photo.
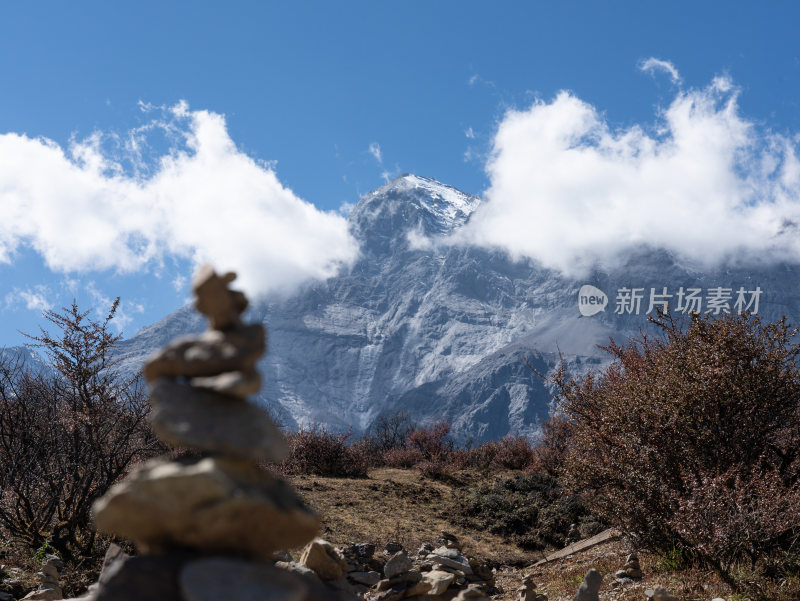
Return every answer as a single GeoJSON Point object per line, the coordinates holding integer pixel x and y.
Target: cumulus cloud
{"type": "Point", "coordinates": [34, 299]}
{"type": "Point", "coordinates": [84, 208]}
{"type": "Point", "coordinates": [569, 190]}
{"type": "Point", "coordinates": [651, 65]}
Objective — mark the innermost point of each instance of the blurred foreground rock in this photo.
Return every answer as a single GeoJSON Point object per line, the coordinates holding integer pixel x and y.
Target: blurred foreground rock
{"type": "Point", "coordinates": [208, 524]}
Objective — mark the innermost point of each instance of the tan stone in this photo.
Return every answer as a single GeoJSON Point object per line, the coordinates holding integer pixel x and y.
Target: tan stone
{"type": "Point", "coordinates": [422, 587]}
{"type": "Point", "coordinates": [214, 300]}
{"type": "Point", "coordinates": [208, 354]}
{"type": "Point", "coordinates": [439, 581]}
{"type": "Point", "coordinates": [324, 559]}
{"type": "Point", "coordinates": [210, 504]}
{"type": "Point", "coordinates": [45, 593]}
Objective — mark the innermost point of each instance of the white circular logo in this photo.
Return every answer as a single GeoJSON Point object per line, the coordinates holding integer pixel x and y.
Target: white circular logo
{"type": "Point", "coordinates": [591, 300]}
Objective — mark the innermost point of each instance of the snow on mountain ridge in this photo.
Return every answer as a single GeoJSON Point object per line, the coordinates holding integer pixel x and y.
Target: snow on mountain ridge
{"type": "Point", "coordinates": [444, 208]}
{"type": "Point", "coordinates": [443, 331]}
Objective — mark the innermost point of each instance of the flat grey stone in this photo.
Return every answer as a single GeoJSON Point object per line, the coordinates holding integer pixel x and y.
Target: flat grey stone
{"type": "Point", "coordinates": [461, 563]}
{"type": "Point", "coordinates": [205, 420]}
{"type": "Point", "coordinates": [397, 564]}
{"type": "Point", "coordinates": [216, 579]}
{"type": "Point", "coordinates": [367, 578]}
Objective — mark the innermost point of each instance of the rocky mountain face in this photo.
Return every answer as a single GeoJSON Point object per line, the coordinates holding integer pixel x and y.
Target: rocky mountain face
{"type": "Point", "coordinates": [442, 331]}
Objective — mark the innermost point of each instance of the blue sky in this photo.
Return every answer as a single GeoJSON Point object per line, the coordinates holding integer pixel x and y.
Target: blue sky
{"type": "Point", "coordinates": [322, 101]}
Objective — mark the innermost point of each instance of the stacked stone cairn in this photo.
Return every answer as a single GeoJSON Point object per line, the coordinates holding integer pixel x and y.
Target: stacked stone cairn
{"type": "Point", "coordinates": [49, 587]}
{"type": "Point", "coordinates": [527, 592]}
{"type": "Point", "coordinates": [630, 571]}
{"type": "Point", "coordinates": [207, 523]}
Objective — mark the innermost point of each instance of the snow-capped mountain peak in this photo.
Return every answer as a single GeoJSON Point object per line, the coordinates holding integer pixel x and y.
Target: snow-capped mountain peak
{"type": "Point", "coordinates": [453, 206]}
{"type": "Point", "coordinates": [411, 202]}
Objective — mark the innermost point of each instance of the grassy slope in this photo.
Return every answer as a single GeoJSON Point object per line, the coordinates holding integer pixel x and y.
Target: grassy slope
{"type": "Point", "coordinates": [399, 505]}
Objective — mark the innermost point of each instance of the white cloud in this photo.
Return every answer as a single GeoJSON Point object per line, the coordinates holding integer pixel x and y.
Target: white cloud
{"type": "Point", "coordinates": [568, 190]}
{"type": "Point", "coordinates": [651, 65]}
{"type": "Point", "coordinates": [417, 240]}
{"type": "Point", "coordinates": [469, 133]}
{"type": "Point", "coordinates": [203, 199]}
{"type": "Point", "coordinates": [34, 299]}
{"type": "Point", "coordinates": [375, 150]}
{"type": "Point", "coordinates": [179, 282]}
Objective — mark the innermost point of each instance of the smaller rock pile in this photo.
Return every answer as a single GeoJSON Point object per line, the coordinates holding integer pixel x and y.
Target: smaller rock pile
{"type": "Point", "coordinates": [527, 592]}
{"type": "Point", "coordinates": [437, 572]}
{"type": "Point", "coordinates": [630, 572]}
{"type": "Point", "coordinates": [50, 586]}
{"type": "Point", "coordinates": [631, 569]}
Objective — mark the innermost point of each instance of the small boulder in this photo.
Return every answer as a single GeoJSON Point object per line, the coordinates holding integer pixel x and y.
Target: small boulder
{"type": "Point", "coordinates": [660, 593]}
{"type": "Point", "coordinates": [439, 581]}
{"type": "Point", "coordinates": [324, 559]}
{"type": "Point", "coordinates": [397, 564]}
{"type": "Point", "coordinates": [588, 590]}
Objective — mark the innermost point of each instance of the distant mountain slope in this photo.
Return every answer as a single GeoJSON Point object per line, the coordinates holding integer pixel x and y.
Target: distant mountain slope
{"type": "Point", "coordinates": [440, 330]}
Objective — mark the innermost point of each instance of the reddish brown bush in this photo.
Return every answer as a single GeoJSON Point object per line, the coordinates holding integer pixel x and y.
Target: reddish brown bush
{"type": "Point", "coordinates": [322, 453]}
{"type": "Point", "coordinates": [691, 439]}
{"type": "Point", "coordinates": [550, 452]}
{"type": "Point", "coordinates": [403, 457]}
{"type": "Point", "coordinates": [433, 443]}
{"type": "Point", "coordinates": [510, 453]}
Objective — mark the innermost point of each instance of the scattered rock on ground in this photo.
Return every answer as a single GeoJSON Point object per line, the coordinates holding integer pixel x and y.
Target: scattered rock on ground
{"type": "Point", "coordinates": [588, 590]}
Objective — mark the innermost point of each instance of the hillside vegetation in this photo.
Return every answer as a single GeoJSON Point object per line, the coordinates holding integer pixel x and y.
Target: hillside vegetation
{"type": "Point", "coordinates": [688, 444]}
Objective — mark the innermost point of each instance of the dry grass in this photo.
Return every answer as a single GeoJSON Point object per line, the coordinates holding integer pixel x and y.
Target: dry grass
{"type": "Point", "coordinates": [399, 505]}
